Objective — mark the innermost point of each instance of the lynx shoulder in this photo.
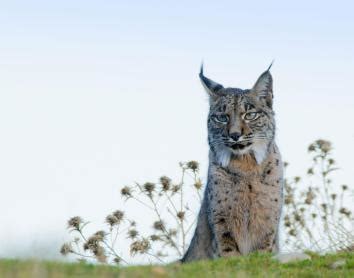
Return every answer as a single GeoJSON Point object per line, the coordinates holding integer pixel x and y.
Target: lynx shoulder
{"type": "Point", "coordinates": [242, 202]}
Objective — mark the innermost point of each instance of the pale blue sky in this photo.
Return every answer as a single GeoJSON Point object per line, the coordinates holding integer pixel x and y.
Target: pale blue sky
{"type": "Point", "coordinates": [99, 94]}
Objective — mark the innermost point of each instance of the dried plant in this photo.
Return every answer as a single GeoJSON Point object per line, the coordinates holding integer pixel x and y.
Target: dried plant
{"type": "Point", "coordinates": [171, 222]}
{"type": "Point", "coordinates": [315, 215]}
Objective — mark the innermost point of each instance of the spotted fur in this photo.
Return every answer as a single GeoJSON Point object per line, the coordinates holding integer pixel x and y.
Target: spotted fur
{"type": "Point", "coordinates": [243, 198]}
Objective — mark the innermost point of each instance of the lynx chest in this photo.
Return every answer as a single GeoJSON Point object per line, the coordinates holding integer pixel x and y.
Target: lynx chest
{"type": "Point", "coordinates": [248, 201]}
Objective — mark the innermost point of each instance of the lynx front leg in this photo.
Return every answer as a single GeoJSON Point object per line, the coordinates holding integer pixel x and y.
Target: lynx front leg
{"type": "Point", "coordinates": [269, 243]}
{"type": "Point", "coordinates": [200, 246]}
{"type": "Point", "coordinates": [223, 241]}
{"type": "Point", "coordinates": [223, 237]}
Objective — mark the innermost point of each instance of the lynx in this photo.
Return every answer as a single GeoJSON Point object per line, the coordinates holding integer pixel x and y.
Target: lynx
{"type": "Point", "coordinates": [242, 202]}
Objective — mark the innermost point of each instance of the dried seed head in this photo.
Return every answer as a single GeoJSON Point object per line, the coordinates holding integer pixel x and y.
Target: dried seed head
{"type": "Point", "coordinates": [310, 171]}
{"type": "Point", "coordinates": [297, 179]}
{"type": "Point", "coordinates": [193, 165]}
{"type": "Point", "coordinates": [100, 235]}
{"type": "Point", "coordinates": [345, 211]}
{"type": "Point", "coordinates": [112, 220]}
{"type": "Point", "coordinates": [176, 188]}
{"type": "Point", "coordinates": [181, 214]}
{"type": "Point", "coordinates": [344, 187]}
{"type": "Point", "coordinates": [310, 196]}
{"type": "Point", "coordinates": [99, 253]}
{"type": "Point", "coordinates": [85, 246]}
{"type": "Point", "coordinates": [320, 145]}
{"type": "Point", "coordinates": [116, 260]}
{"type": "Point", "coordinates": [198, 184]}
{"type": "Point", "coordinates": [119, 214]}
{"type": "Point", "coordinates": [149, 187]}
{"type": "Point", "coordinates": [288, 199]}
{"type": "Point", "coordinates": [165, 182]}
{"type": "Point", "coordinates": [132, 233]}
{"type": "Point", "coordinates": [333, 196]}
{"type": "Point", "coordinates": [75, 222]}
{"type": "Point", "coordinates": [292, 232]}
{"type": "Point", "coordinates": [286, 164]}
{"type": "Point", "coordinates": [324, 206]}
{"type": "Point", "coordinates": [314, 215]}
{"type": "Point", "coordinates": [126, 191]}
{"type": "Point", "coordinates": [297, 217]}
{"type": "Point", "coordinates": [140, 246]}
{"type": "Point", "coordinates": [92, 243]}
{"type": "Point", "coordinates": [159, 225]}
{"type": "Point", "coordinates": [312, 148]}
{"type": "Point", "coordinates": [65, 249]}
{"type": "Point", "coordinates": [324, 145]}
{"type": "Point", "coordinates": [331, 161]}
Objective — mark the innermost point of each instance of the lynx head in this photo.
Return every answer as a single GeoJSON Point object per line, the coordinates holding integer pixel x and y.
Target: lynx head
{"type": "Point", "coordinates": [240, 121]}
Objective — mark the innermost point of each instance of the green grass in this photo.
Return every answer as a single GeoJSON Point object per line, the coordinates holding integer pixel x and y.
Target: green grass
{"type": "Point", "coordinates": [256, 265]}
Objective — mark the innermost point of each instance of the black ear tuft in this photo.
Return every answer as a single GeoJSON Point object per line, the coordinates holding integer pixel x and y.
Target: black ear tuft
{"type": "Point", "coordinates": [210, 86]}
{"type": "Point", "coordinates": [271, 64]}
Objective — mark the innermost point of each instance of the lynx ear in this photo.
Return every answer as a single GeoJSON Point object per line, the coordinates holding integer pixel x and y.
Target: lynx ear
{"type": "Point", "coordinates": [209, 85]}
{"type": "Point", "coordinates": [264, 87]}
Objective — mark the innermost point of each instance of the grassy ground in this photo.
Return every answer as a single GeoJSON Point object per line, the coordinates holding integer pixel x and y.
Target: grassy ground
{"type": "Point", "coordinates": [256, 265]}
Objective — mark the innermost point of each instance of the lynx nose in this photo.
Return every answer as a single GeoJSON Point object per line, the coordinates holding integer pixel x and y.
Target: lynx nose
{"type": "Point", "coordinates": [235, 136]}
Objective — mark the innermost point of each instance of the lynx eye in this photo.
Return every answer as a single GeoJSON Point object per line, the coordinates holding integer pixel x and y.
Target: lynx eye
{"type": "Point", "coordinates": [251, 116]}
{"type": "Point", "coordinates": [223, 119]}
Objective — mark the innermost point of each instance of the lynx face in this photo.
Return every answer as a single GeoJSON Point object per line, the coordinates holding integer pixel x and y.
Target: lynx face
{"type": "Point", "coordinates": [240, 121]}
